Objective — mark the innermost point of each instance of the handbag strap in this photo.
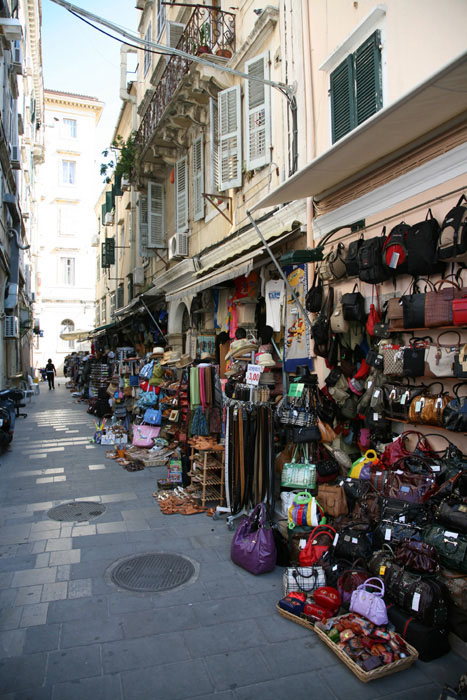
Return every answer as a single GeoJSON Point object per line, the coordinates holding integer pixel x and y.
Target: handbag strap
{"type": "Point", "coordinates": [323, 532]}
{"type": "Point", "coordinates": [448, 345]}
{"type": "Point", "coordinates": [380, 588]}
{"type": "Point", "coordinates": [441, 282]}
{"type": "Point", "coordinates": [456, 388]}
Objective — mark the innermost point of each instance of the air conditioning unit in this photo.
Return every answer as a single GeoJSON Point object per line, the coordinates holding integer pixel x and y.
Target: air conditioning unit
{"type": "Point", "coordinates": [11, 327]}
{"type": "Point", "coordinates": [94, 241]}
{"type": "Point", "coordinates": [178, 246]}
{"type": "Point", "coordinates": [109, 219]}
{"type": "Point", "coordinates": [125, 184]}
{"type": "Point", "coordinates": [15, 157]}
{"type": "Point", "coordinates": [138, 275]}
{"type": "Point", "coordinates": [17, 60]}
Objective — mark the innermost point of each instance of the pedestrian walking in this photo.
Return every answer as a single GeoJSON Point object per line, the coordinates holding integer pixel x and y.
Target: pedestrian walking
{"type": "Point", "coordinates": [51, 373]}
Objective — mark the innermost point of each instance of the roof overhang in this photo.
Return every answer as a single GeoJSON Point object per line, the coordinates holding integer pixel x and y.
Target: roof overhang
{"type": "Point", "coordinates": [431, 108]}
{"type": "Point", "coordinates": [76, 335]}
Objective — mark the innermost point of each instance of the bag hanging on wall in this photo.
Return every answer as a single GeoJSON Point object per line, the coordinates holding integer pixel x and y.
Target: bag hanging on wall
{"type": "Point", "coordinates": [398, 397]}
{"type": "Point", "coordinates": [459, 311]}
{"type": "Point", "coordinates": [429, 408]}
{"type": "Point", "coordinates": [253, 547]}
{"type": "Point", "coordinates": [439, 357]}
{"type": "Point", "coordinates": [460, 363]}
{"type": "Point", "coordinates": [370, 260]}
{"type": "Point", "coordinates": [395, 313]}
{"type": "Point", "coordinates": [152, 416]}
{"type": "Point", "coordinates": [393, 360]}
{"type": "Point", "coordinates": [338, 322]}
{"type": "Point", "coordinates": [374, 316]}
{"type": "Point", "coordinates": [336, 260]}
{"type": "Point", "coordinates": [351, 261]}
{"type": "Point", "coordinates": [438, 303]}
{"type": "Point", "coordinates": [395, 250]}
{"type": "Point", "coordinates": [421, 242]}
{"type": "Point", "coordinates": [455, 413]}
{"type": "Point", "coordinates": [414, 304]}
{"type": "Point", "coordinates": [297, 474]}
{"type": "Point", "coordinates": [413, 358]}
{"type": "Point", "coordinates": [353, 305]}
{"type": "Point", "coordinates": [314, 296]}
{"type": "Point", "coordinates": [452, 242]}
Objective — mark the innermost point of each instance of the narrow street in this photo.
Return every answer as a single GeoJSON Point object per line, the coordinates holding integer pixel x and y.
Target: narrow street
{"type": "Point", "coordinates": [67, 633]}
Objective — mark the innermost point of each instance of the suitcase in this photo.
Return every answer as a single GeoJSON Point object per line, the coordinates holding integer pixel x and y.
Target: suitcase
{"type": "Point", "coordinates": [431, 643]}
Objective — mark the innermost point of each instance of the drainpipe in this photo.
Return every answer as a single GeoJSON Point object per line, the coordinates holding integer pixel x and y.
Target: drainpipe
{"type": "Point", "coordinates": [310, 115]}
{"type": "Point", "coordinates": [124, 51]}
{"type": "Point", "coordinates": [126, 97]}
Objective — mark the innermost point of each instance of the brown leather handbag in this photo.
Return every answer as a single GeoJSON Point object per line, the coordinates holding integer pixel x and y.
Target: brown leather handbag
{"type": "Point", "coordinates": [395, 313]}
{"type": "Point", "coordinates": [438, 304]}
{"type": "Point", "coordinates": [429, 407]}
{"type": "Point", "coordinates": [456, 584]}
{"type": "Point", "coordinates": [417, 556]}
{"type": "Point", "coordinates": [412, 488]}
{"type": "Point", "coordinates": [332, 499]}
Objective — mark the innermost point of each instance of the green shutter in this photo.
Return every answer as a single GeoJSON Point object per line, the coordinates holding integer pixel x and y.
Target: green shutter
{"type": "Point", "coordinates": [120, 297]}
{"type": "Point", "coordinates": [104, 212]}
{"type": "Point", "coordinates": [117, 186]}
{"type": "Point", "coordinates": [368, 78]}
{"type": "Point", "coordinates": [109, 201]}
{"type": "Point", "coordinates": [342, 100]}
{"type": "Point", "coordinates": [104, 262]}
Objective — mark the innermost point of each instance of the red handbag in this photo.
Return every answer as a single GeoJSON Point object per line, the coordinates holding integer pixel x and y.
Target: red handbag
{"type": "Point", "coordinates": [459, 311]}
{"type": "Point", "coordinates": [328, 597]}
{"type": "Point", "coordinates": [374, 316]}
{"type": "Point", "coordinates": [316, 612]}
{"type": "Point", "coordinates": [397, 449]}
{"type": "Point", "coordinates": [315, 548]}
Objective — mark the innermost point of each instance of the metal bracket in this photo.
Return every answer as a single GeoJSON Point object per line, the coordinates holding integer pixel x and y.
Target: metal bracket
{"type": "Point", "coordinates": [211, 197]}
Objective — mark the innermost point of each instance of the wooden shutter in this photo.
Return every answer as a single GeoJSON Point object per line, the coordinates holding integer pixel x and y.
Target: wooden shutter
{"type": "Point", "coordinates": [258, 113]}
{"type": "Point", "coordinates": [143, 225]}
{"type": "Point", "coordinates": [174, 33]}
{"type": "Point", "coordinates": [342, 99]}
{"type": "Point", "coordinates": [156, 224]}
{"type": "Point", "coordinates": [230, 138]}
{"type": "Point", "coordinates": [368, 87]}
{"type": "Point", "coordinates": [214, 146]}
{"type": "Point", "coordinates": [181, 195]}
{"type": "Point", "coordinates": [198, 178]}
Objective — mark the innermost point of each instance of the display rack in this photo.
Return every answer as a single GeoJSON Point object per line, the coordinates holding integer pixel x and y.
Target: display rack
{"type": "Point", "coordinates": [207, 473]}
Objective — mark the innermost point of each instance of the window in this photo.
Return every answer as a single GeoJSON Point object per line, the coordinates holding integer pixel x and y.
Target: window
{"type": "Point", "coordinates": [120, 296]}
{"type": "Point", "coordinates": [214, 146]}
{"type": "Point", "coordinates": [258, 113]}
{"type": "Point", "coordinates": [160, 18]}
{"type": "Point", "coordinates": [356, 88]}
{"type": "Point", "coordinates": [98, 263]}
{"type": "Point", "coordinates": [113, 300]}
{"type": "Point", "coordinates": [98, 315]}
{"type": "Point", "coordinates": [197, 163]}
{"type": "Point", "coordinates": [103, 310]}
{"type": "Point", "coordinates": [69, 128]}
{"type": "Point", "coordinates": [67, 271]}
{"type": "Point", "coordinates": [67, 326]}
{"type": "Point", "coordinates": [68, 172]}
{"type": "Point", "coordinates": [181, 195]}
{"type": "Point", "coordinates": [129, 287]}
{"type": "Point", "coordinates": [121, 241]}
{"type": "Point", "coordinates": [147, 54]}
{"type": "Point", "coordinates": [151, 219]}
{"type": "Point", "coordinates": [66, 215]}
{"type": "Point", "coordinates": [230, 138]}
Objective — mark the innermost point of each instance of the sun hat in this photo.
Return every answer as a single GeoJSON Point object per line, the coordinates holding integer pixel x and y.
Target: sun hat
{"type": "Point", "coordinates": [169, 357]}
{"type": "Point", "coordinates": [235, 368]}
{"type": "Point", "coordinates": [183, 361]}
{"type": "Point", "coordinates": [264, 359]}
{"type": "Point", "coordinates": [240, 347]}
{"type": "Point", "coordinates": [158, 351]}
{"type": "Point", "coordinates": [207, 356]}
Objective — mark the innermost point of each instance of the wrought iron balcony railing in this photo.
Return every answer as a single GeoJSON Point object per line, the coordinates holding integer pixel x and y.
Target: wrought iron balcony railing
{"type": "Point", "coordinates": [208, 31]}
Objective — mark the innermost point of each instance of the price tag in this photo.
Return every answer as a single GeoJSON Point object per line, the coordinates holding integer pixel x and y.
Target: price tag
{"type": "Point", "coordinates": [334, 568]}
{"type": "Point", "coordinates": [370, 383]}
{"type": "Point", "coordinates": [387, 534]}
{"type": "Point", "coordinates": [354, 540]}
{"type": "Point", "coordinates": [376, 393]}
{"type": "Point", "coordinates": [402, 519]}
{"type": "Point", "coordinates": [253, 374]}
{"type": "Point", "coordinates": [455, 535]}
{"type": "Point", "coordinates": [416, 601]}
{"type": "Point", "coordinates": [335, 539]}
{"type": "Point", "coordinates": [382, 570]}
{"type": "Point", "coordinates": [376, 416]}
{"type": "Point", "coordinates": [302, 543]}
{"type": "Point", "coordinates": [296, 389]}
{"type": "Point", "coordinates": [418, 406]}
{"type": "Point", "coordinates": [435, 468]}
{"type": "Point", "coordinates": [341, 483]}
{"type": "Point", "coordinates": [404, 398]}
{"type": "Point", "coordinates": [394, 260]}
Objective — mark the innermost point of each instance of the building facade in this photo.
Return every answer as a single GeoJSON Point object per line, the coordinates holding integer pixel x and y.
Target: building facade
{"type": "Point", "coordinates": [66, 267]}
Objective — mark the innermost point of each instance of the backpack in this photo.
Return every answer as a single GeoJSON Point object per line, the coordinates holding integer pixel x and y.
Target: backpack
{"type": "Point", "coordinates": [370, 260]}
{"type": "Point", "coordinates": [421, 242]}
{"type": "Point", "coordinates": [351, 261]}
{"type": "Point", "coordinates": [395, 250]}
{"type": "Point", "coordinates": [452, 242]}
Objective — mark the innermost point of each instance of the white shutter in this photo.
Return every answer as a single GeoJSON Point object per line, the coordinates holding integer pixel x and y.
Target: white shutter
{"type": "Point", "coordinates": [258, 113]}
{"type": "Point", "coordinates": [181, 195]}
{"type": "Point", "coordinates": [230, 138]}
{"type": "Point", "coordinates": [174, 33]}
{"type": "Point", "coordinates": [214, 146]}
{"type": "Point", "coordinates": [143, 227]}
{"type": "Point", "coordinates": [156, 223]}
{"type": "Point", "coordinates": [198, 178]}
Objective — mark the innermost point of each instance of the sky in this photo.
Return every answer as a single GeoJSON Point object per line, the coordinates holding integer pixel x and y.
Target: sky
{"type": "Point", "coordinates": [77, 58]}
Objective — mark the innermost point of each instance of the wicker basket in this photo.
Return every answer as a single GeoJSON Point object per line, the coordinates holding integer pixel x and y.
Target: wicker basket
{"type": "Point", "coordinates": [367, 676]}
{"type": "Point", "coordinates": [295, 618]}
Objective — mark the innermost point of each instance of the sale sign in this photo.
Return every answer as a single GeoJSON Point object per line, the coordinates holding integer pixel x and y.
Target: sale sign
{"type": "Point", "coordinates": [253, 373]}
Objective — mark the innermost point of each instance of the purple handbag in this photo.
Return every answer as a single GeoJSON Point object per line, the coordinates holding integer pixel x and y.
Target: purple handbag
{"type": "Point", "coordinates": [253, 547]}
{"type": "Point", "coordinates": [370, 604]}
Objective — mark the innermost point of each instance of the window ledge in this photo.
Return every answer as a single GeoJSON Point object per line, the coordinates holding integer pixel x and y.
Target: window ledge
{"type": "Point", "coordinates": [262, 28]}
{"type": "Point", "coordinates": [358, 35]}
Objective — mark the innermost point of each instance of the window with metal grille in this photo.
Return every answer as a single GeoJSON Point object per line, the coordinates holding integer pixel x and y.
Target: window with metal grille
{"type": "Point", "coordinates": [356, 87]}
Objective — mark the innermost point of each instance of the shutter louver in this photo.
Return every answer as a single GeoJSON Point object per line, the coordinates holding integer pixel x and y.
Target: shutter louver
{"type": "Point", "coordinates": [342, 102]}
{"type": "Point", "coordinates": [258, 113]}
{"type": "Point", "coordinates": [181, 195]}
{"type": "Point", "coordinates": [368, 78]}
{"type": "Point", "coordinates": [214, 145]}
{"type": "Point", "coordinates": [175, 31]}
{"type": "Point", "coordinates": [198, 178]}
{"type": "Point", "coordinates": [156, 227]}
{"type": "Point", "coordinates": [143, 225]}
{"type": "Point", "coordinates": [230, 138]}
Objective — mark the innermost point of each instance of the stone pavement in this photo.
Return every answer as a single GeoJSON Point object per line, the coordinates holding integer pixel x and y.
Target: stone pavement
{"type": "Point", "coordinates": [66, 634]}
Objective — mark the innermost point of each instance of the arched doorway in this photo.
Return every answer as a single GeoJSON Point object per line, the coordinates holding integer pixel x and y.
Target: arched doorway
{"type": "Point", "coordinates": [178, 324]}
{"type": "Point", "coordinates": [67, 326]}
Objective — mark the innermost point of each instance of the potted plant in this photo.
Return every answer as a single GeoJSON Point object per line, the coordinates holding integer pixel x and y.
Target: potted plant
{"type": "Point", "coordinates": [204, 35]}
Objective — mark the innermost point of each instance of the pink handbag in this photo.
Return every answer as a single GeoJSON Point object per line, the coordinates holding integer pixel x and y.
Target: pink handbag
{"type": "Point", "coordinates": [370, 604]}
{"type": "Point", "coordinates": [144, 435]}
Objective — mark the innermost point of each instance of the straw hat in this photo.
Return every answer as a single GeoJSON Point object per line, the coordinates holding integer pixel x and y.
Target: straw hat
{"type": "Point", "coordinates": [235, 368]}
{"type": "Point", "coordinates": [241, 347]}
{"type": "Point", "coordinates": [184, 361]}
{"type": "Point", "coordinates": [169, 357]}
{"type": "Point", "coordinates": [156, 353]}
{"type": "Point", "coordinates": [265, 360]}
{"type": "Point", "coordinates": [206, 356]}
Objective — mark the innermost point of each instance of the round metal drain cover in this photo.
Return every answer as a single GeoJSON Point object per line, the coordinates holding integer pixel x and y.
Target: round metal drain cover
{"type": "Point", "coordinates": [80, 511]}
{"type": "Point", "coordinates": [150, 573]}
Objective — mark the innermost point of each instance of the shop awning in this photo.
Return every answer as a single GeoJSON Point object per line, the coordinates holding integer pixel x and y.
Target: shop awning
{"type": "Point", "coordinates": [76, 335]}
{"type": "Point", "coordinates": [433, 106]}
{"type": "Point", "coordinates": [102, 329]}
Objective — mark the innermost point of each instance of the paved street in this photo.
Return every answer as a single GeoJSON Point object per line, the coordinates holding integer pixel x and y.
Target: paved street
{"type": "Point", "coordinates": [66, 634]}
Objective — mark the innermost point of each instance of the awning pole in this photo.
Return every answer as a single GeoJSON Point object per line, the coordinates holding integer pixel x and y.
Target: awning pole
{"type": "Point", "coordinates": [152, 317]}
{"type": "Point", "coordinates": [279, 269]}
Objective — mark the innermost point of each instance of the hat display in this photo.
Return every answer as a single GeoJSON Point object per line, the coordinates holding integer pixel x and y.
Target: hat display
{"type": "Point", "coordinates": [207, 356]}
{"type": "Point", "coordinates": [240, 347]}
{"type": "Point", "coordinates": [169, 357]}
{"type": "Point", "coordinates": [235, 368]}
{"type": "Point", "coordinates": [183, 361]}
{"type": "Point", "coordinates": [158, 351]}
{"type": "Point", "coordinates": [264, 359]}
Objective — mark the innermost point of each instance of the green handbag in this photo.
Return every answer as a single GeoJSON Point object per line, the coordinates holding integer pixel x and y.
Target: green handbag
{"type": "Point", "coordinates": [450, 546]}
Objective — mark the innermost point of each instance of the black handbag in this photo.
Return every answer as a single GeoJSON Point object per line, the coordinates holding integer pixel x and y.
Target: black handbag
{"type": "Point", "coordinates": [314, 296]}
{"type": "Point", "coordinates": [306, 434]}
{"type": "Point", "coordinates": [413, 357]}
{"type": "Point", "coordinates": [370, 260]}
{"type": "Point", "coordinates": [374, 359]}
{"type": "Point", "coordinates": [430, 642]}
{"type": "Point", "coordinates": [421, 242]}
{"type": "Point", "coordinates": [452, 513]}
{"type": "Point", "coordinates": [423, 596]}
{"type": "Point", "coordinates": [455, 413]}
{"type": "Point", "coordinates": [353, 306]}
{"type": "Point", "coordinates": [351, 261]}
{"type": "Point", "coordinates": [413, 306]}
{"type": "Point", "coordinates": [460, 363]}
{"type": "Point", "coordinates": [398, 397]}
{"type": "Point", "coordinates": [352, 543]}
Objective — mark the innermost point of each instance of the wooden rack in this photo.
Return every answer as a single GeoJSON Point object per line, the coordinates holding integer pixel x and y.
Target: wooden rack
{"type": "Point", "coordinates": [206, 476]}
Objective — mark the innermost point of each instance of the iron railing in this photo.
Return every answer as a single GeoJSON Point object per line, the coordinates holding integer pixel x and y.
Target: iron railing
{"type": "Point", "coordinates": [208, 31]}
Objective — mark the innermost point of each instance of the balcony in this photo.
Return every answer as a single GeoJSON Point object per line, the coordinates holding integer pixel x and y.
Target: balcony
{"type": "Point", "coordinates": [209, 31]}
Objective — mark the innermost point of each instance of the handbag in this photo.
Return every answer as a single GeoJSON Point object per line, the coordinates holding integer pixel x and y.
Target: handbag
{"type": "Point", "coordinates": [460, 363]}
{"type": "Point", "coordinates": [152, 416]}
{"type": "Point", "coordinates": [452, 242]}
{"type": "Point", "coordinates": [413, 357]}
{"type": "Point", "coordinates": [299, 474]}
{"type": "Point", "coordinates": [353, 543]}
{"type": "Point", "coordinates": [327, 469]}
{"type": "Point", "coordinates": [326, 432]}
{"type": "Point", "coordinates": [395, 313]}
{"type": "Point", "coordinates": [336, 262]}
{"type": "Point", "coordinates": [253, 547]}
{"type": "Point", "coordinates": [424, 597]}
{"type": "Point", "coordinates": [305, 579]}
{"type": "Point", "coordinates": [417, 556]}
{"type": "Point", "coordinates": [370, 604]}
{"type": "Point", "coordinates": [332, 499]}
{"type": "Point", "coordinates": [393, 360]}
{"type": "Point", "coordinates": [439, 357]}
{"type": "Point", "coordinates": [146, 371]}
{"type": "Point", "coordinates": [314, 296]}
{"type": "Point", "coordinates": [413, 306]}
{"type": "Point", "coordinates": [374, 316]}
{"type": "Point", "coordinates": [429, 408]}
{"type": "Point", "coordinates": [144, 435]}
{"type": "Point", "coordinates": [459, 311]}
{"type": "Point", "coordinates": [412, 488]}
{"type": "Point", "coordinates": [397, 399]}
{"type": "Point", "coordinates": [438, 303]}
{"type": "Point", "coordinates": [305, 510]}
{"type": "Point", "coordinates": [456, 585]}
{"type": "Point", "coordinates": [306, 434]}
{"type": "Point", "coordinates": [353, 306]}
{"type": "Point", "coordinates": [351, 261]}
{"type": "Point", "coordinates": [455, 412]}
{"type": "Point", "coordinates": [370, 260]}
{"type": "Point", "coordinates": [338, 322]}
{"type": "Point", "coordinates": [421, 242]}
{"type": "Point", "coordinates": [350, 579]}
{"type": "Point", "coordinates": [452, 513]}
{"type": "Point", "coordinates": [318, 543]}
{"type": "Point", "coordinates": [148, 399]}
{"type": "Point", "coordinates": [450, 546]}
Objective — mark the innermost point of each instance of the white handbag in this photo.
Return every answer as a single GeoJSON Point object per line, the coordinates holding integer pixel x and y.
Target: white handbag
{"type": "Point", "coordinates": [439, 357]}
{"type": "Point", "coordinates": [338, 322]}
{"type": "Point", "coordinates": [303, 578]}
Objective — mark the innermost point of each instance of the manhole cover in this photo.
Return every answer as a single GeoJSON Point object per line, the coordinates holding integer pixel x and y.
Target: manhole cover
{"type": "Point", "coordinates": [150, 573]}
{"type": "Point", "coordinates": [76, 512]}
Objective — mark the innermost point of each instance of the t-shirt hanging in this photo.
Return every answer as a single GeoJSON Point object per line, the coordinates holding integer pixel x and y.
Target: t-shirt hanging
{"type": "Point", "coordinates": [274, 295]}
